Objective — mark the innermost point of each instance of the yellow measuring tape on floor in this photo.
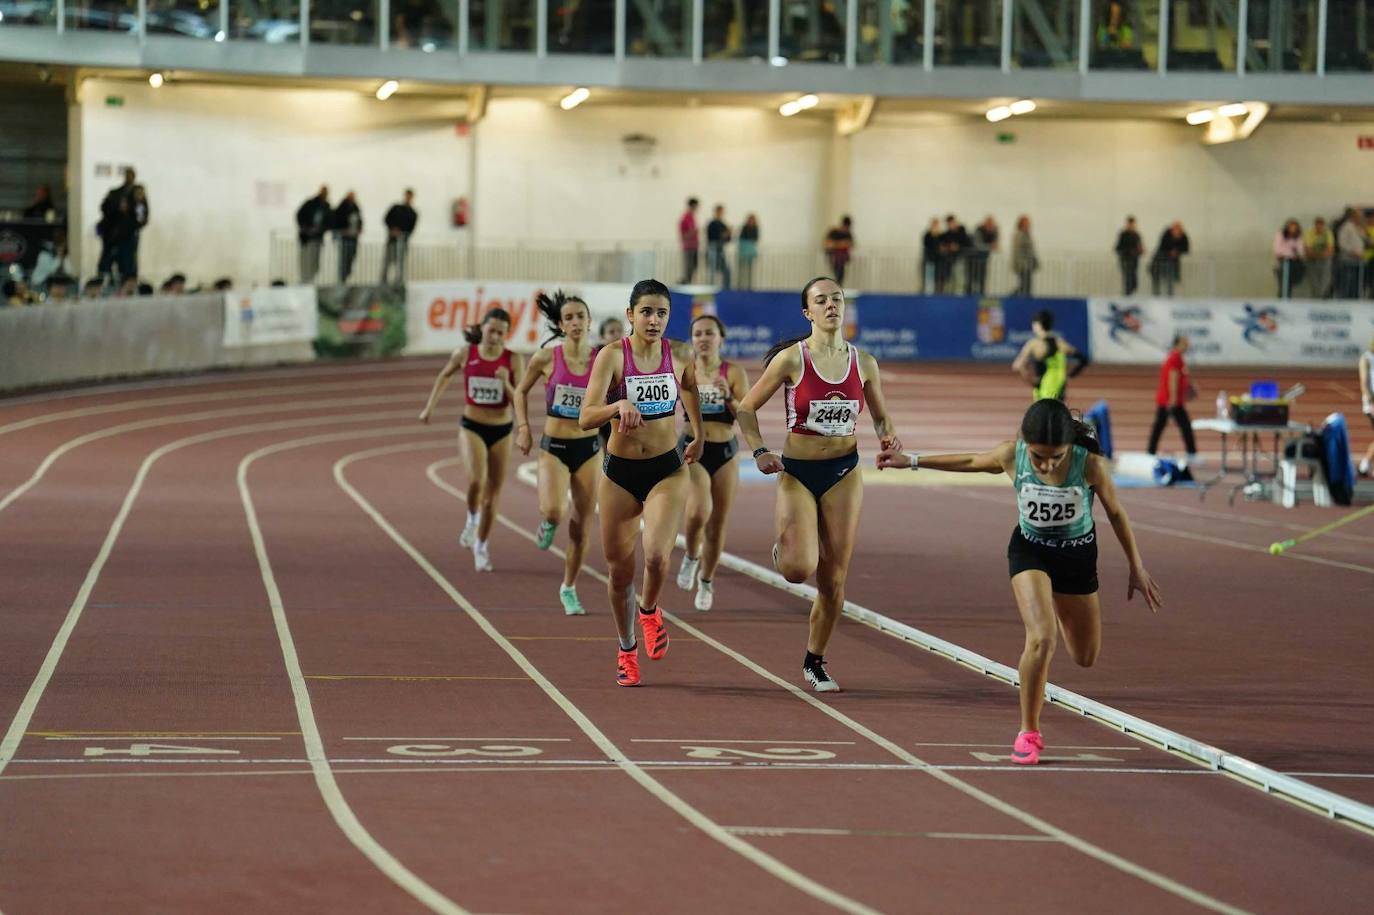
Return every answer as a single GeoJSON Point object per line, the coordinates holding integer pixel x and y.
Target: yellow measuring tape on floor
{"type": "Point", "coordinates": [1279, 547]}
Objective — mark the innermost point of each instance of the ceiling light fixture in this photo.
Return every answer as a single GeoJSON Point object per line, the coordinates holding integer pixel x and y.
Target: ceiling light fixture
{"type": "Point", "coordinates": [1000, 113]}
{"type": "Point", "coordinates": [575, 98]}
{"type": "Point", "coordinates": [387, 89]}
{"type": "Point", "coordinates": [1024, 106]}
{"type": "Point", "coordinates": [1233, 110]}
{"type": "Point", "coordinates": [1200, 117]}
{"type": "Point", "coordinates": [155, 80]}
{"type": "Point", "coordinates": [798, 105]}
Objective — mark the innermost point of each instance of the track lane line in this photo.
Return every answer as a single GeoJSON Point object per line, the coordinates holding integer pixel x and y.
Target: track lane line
{"type": "Point", "coordinates": [764, 861]}
{"type": "Point", "coordinates": [316, 755]}
{"type": "Point", "coordinates": [1079, 844]}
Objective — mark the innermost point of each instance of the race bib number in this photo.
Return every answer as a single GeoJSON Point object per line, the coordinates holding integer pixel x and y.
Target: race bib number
{"type": "Point", "coordinates": [1050, 507]}
{"type": "Point", "coordinates": [486, 392]}
{"type": "Point", "coordinates": [712, 397]}
{"type": "Point", "coordinates": [833, 417]}
{"type": "Point", "coordinates": [652, 395]}
{"type": "Point", "coordinates": [567, 400]}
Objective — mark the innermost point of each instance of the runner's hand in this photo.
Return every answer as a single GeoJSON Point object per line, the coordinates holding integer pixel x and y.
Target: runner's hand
{"type": "Point", "coordinates": [891, 443]}
{"type": "Point", "coordinates": [630, 417]}
{"type": "Point", "coordinates": [894, 458]}
{"type": "Point", "coordinates": [1142, 582]}
{"type": "Point", "coordinates": [692, 453]}
{"type": "Point", "coordinates": [523, 440]}
{"type": "Point", "coordinates": [768, 462]}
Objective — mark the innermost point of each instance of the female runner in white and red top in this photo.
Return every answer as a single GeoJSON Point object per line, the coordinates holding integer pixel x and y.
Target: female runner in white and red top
{"type": "Point", "coordinates": [644, 472]}
{"type": "Point", "coordinates": [818, 492]}
{"type": "Point", "coordinates": [566, 452]}
{"type": "Point", "coordinates": [489, 373]}
{"type": "Point", "coordinates": [720, 385]}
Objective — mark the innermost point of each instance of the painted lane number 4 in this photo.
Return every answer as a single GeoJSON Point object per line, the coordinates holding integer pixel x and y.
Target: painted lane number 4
{"type": "Point", "coordinates": [158, 749]}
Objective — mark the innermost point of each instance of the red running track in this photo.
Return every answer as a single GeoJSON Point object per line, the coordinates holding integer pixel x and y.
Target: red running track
{"type": "Point", "coordinates": [341, 715]}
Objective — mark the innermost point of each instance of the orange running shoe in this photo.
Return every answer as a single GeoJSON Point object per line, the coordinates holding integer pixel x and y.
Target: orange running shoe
{"type": "Point", "coordinates": [1026, 750]}
{"type": "Point", "coordinates": [627, 667]}
{"type": "Point", "coordinates": [655, 635]}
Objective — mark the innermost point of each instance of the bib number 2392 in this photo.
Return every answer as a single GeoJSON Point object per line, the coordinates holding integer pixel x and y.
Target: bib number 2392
{"type": "Point", "coordinates": [486, 390]}
{"type": "Point", "coordinates": [833, 417]}
{"type": "Point", "coordinates": [567, 399]}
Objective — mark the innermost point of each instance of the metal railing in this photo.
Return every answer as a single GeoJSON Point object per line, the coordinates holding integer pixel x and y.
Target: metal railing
{"type": "Point", "coordinates": [892, 270]}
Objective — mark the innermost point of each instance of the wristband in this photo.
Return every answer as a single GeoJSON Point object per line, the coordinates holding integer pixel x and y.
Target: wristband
{"type": "Point", "coordinates": [758, 451]}
{"type": "Point", "coordinates": [915, 458]}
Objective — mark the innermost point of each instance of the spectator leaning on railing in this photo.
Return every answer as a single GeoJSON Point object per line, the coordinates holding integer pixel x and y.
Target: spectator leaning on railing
{"type": "Point", "coordinates": [976, 263]}
{"type": "Point", "coordinates": [1023, 259]}
{"type": "Point", "coordinates": [1289, 253]}
{"type": "Point", "coordinates": [1129, 248]}
{"type": "Point", "coordinates": [348, 226]}
{"type": "Point", "coordinates": [1320, 246]}
{"type": "Point", "coordinates": [312, 219]}
{"type": "Point", "coordinates": [1166, 267]}
{"type": "Point", "coordinates": [748, 250]}
{"type": "Point", "coordinates": [400, 223]}
{"type": "Point", "coordinates": [930, 257]}
{"type": "Point", "coordinates": [1351, 242]}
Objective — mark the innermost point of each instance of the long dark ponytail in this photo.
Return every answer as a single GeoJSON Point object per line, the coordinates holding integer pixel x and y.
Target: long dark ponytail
{"type": "Point", "coordinates": [782, 345]}
{"type": "Point", "coordinates": [1050, 423]}
{"type": "Point", "coordinates": [1045, 318]}
{"type": "Point", "coordinates": [552, 309]}
{"type": "Point", "coordinates": [473, 332]}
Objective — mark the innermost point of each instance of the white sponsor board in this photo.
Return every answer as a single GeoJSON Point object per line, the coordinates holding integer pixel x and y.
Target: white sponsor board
{"type": "Point", "coordinates": [270, 314]}
{"type": "Point", "coordinates": [1231, 331]}
{"type": "Point", "coordinates": [437, 312]}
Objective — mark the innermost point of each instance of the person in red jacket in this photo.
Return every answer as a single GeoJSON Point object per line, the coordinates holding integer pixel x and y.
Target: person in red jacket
{"type": "Point", "coordinates": [1174, 388]}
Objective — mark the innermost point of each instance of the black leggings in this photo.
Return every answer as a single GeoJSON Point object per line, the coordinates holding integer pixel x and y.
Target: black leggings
{"type": "Point", "coordinates": [1185, 425]}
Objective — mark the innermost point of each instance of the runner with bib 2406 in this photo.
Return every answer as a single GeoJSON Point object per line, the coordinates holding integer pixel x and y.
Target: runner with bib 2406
{"type": "Point", "coordinates": [820, 492]}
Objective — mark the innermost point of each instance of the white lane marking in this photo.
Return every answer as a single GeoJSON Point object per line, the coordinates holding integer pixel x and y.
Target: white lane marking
{"type": "Point", "coordinates": [1079, 844]}
{"type": "Point", "coordinates": [761, 859]}
{"type": "Point", "coordinates": [471, 739]}
{"type": "Point", "coordinates": [712, 742]}
{"type": "Point", "coordinates": [133, 737]}
{"type": "Point", "coordinates": [20, 723]}
{"type": "Point", "coordinates": [159, 421]}
{"type": "Point", "coordinates": [777, 832]}
{"type": "Point", "coordinates": [1140, 498]}
{"type": "Point", "coordinates": [328, 786]}
{"type": "Point", "coordinates": [1004, 745]}
{"type": "Point", "coordinates": [1077, 757]}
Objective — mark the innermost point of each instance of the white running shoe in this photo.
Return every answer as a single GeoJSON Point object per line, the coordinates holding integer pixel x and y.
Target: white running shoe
{"type": "Point", "coordinates": [469, 536]}
{"type": "Point", "coordinates": [706, 592]}
{"type": "Point", "coordinates": [687, 575]}
{"type": "Point", "coordinates": [481, 556]}
{"type": "Point", "coordinates": [571, 605]}
{"type": "Point", "coordinates": [820, 679]}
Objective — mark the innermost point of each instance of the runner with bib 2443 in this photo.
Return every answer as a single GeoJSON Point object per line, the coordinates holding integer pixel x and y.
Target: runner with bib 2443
{"type": "Point", "coordinates": [827, 383]}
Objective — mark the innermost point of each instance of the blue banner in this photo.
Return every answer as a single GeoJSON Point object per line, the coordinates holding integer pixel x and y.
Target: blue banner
{"type": "Point", "coordinates": [891, 327]}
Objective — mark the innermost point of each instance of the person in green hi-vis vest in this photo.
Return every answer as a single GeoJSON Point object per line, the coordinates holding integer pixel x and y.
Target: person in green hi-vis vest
{"type": "Point", "coordinates": [1043, 361]}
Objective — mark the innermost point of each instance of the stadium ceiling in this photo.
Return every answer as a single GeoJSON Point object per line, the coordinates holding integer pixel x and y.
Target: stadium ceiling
{"type": "Point", "coordinates": [893, 109]}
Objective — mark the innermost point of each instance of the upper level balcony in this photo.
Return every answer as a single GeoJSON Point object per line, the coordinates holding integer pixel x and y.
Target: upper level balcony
{"type": "Point", "coordinates": [1277, 51]}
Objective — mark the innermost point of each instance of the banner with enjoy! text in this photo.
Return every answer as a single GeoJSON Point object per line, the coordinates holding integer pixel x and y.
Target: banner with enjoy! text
{"type": "Point", "coordinates": [1231, 332]}
{"type": "Point", "coordinates": [437, 312]}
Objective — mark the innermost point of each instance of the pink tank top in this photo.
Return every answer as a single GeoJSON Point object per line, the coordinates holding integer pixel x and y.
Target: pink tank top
{"type": "Point", "coordinates": [654, 393]}
{"type": "Point", "coordinates": [563, 392]}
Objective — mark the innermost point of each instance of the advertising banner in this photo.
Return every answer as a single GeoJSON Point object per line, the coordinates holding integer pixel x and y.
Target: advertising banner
{"type": "Point", "coordinates": [360, 321]}
{"type": "Point", "coordinates": [1231, 332]}
{"type": "Point", "coordinates": [437, 312]}
{"type": "Point", "coordinates": [266, 315]}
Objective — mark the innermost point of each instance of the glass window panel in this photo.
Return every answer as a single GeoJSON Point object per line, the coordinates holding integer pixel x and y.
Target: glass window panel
{"type": "Point", "coordinates": [891, 31]}
{"type": "Point", "coordinates": [186, 18]}
{"type": "Point", "coordinates": [1202, 34]}
{"type": "Point", "coordinates": [423, 25]}
{"type": "Point", "coordinates": [735, 29]}
{"type": "Point", "coordinates": [352, 22]}
{"type": "Point", "coordinates": [270, 21]}
{"type": "Point", "coordinates": [1281, 36]}
{"type": "Point", "coordinates": [501, 25]}
{"type": "Point", "coordinates": [658, 28]}
{"type": "Point", "coordinates": [968, 33]}
{"type": "Point", "coordinates": [1045, 33]}
{"type": "Point", "coordinates": [1125, 35]}
{"type": "Point", "coordinates": [28, 12]}
{"type": "Point", "coordinates": [581, 27]}
{"type": "Point", "coordinates": [103, 15]}
{"type": "Point", "coordinates": [812, 30]}
{"type": "Point", "coordinates": [1349, 36]}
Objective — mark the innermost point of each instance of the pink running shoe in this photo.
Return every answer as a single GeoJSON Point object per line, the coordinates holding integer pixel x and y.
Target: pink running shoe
{"type": "Point", "coordinates": [1026, 750]}
{"type": "Point", "coordinates": [627, 666]}
{"type": "Point", "coordinates": [655, 634]}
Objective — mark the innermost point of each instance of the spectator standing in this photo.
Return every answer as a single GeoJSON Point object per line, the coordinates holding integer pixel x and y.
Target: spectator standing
{"type": "Point", "coordinates": [42, 204]}
{"type": "Point", "coordinates": [1350, 245]}
{"type": "Point", "coordinates": [717, 237]}
{"type": "Point", "coordinates": [839, 247]}
{"type": "Point", "coordinates": [400, 223]}
{"type": "Point", "coordinates": [348, 225]}
{"type": "Point", "coordinates": [1166, 267]}
{"type": "Point", "coordinates": [1174, 389]}
{"type": "Point", "coordinates": [1023, 259]}
{"type": "Point", "coordinates": [956, 244]}
{"type": "Point", "coordinates": [132, 232]}
{"type": "Point", "coordinates": [748, 250]}
{"type": "Point", "coordinates": [1320, 246]}
{"type": "Point", "coordinates": [113, 210]}
{"type": "Point", "coordinates": [1129, 248]}
{"type": "Point", "coordinates": [930, 257]}
{"type": "Point", "coordinates": [689, 241]}
{"type": "Point", "coordinates": [312, 219]}
{"type": "Point", "coordinates": [1288, 252]}
{"type": "Point", "coordinates": [976, 263]}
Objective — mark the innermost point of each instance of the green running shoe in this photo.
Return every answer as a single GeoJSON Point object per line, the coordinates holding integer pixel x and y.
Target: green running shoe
{"type": "Point", "coordinates": [571, 605]}
{"type": "Point", "coordinates": [546, 531]}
